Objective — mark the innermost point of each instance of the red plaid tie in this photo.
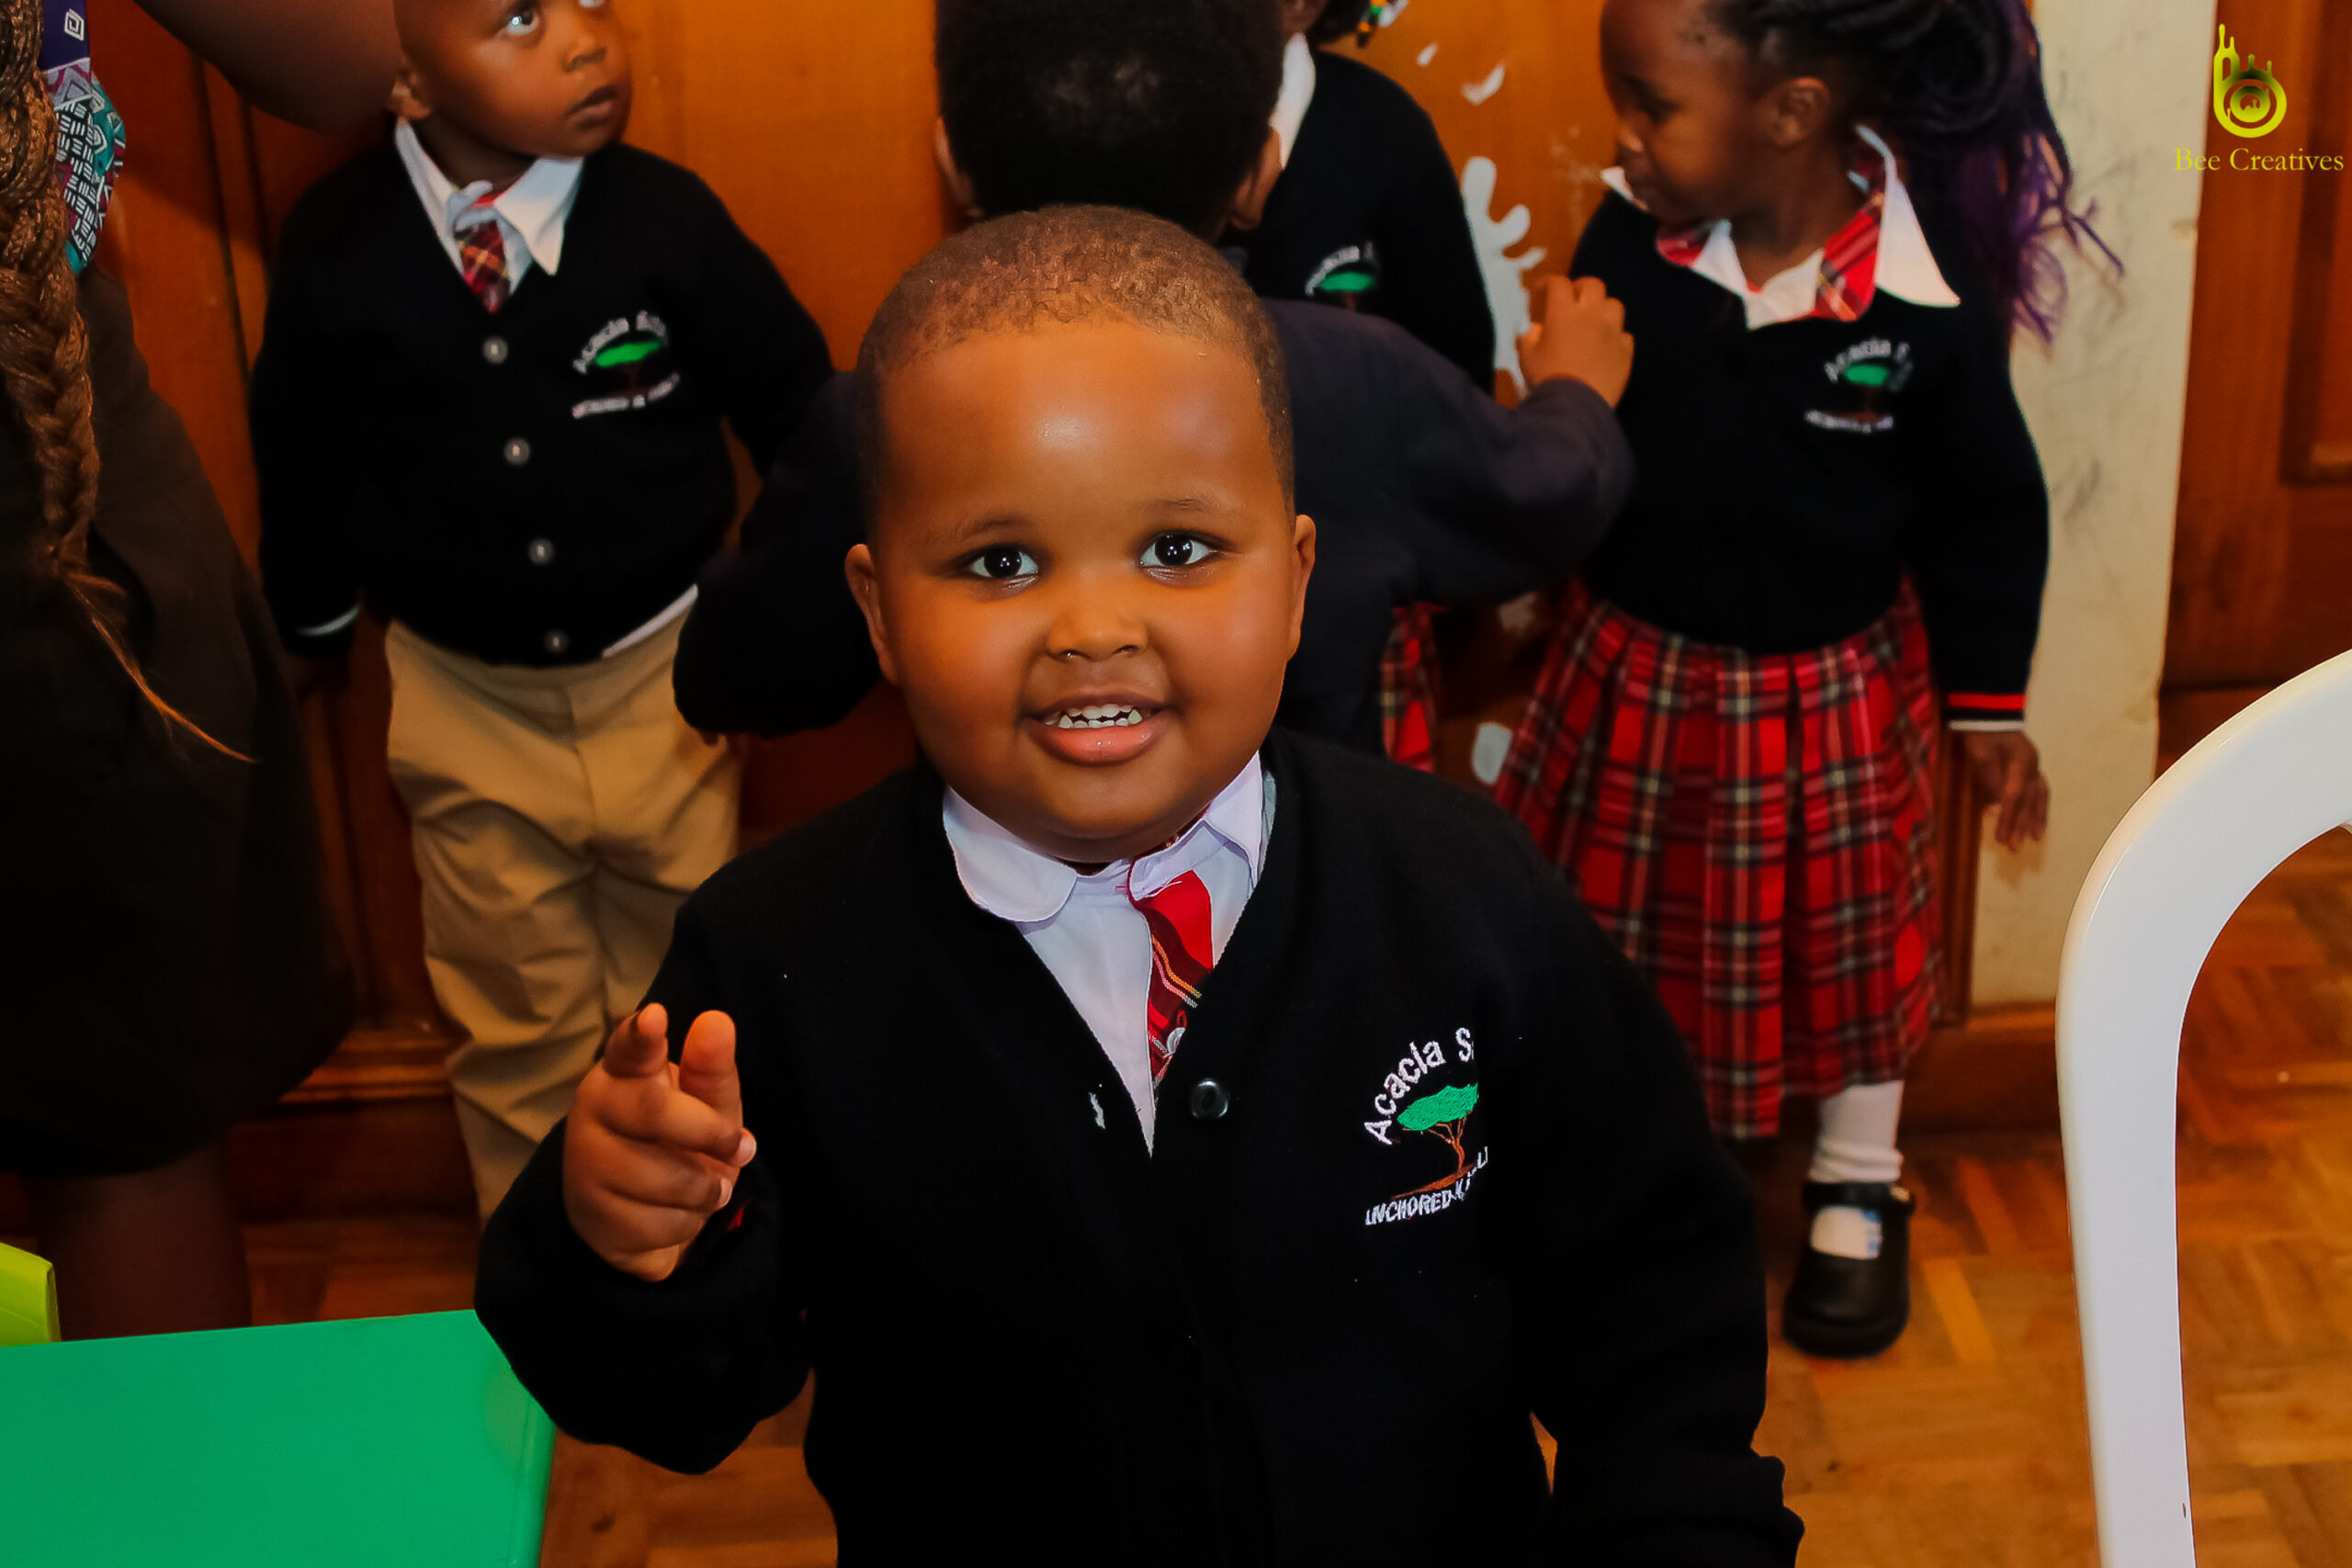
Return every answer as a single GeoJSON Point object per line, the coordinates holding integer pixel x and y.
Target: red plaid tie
{"type": "Point", "coordinates": [1182, 954]}
{"type": "Point", "coordinates": [482, 248]}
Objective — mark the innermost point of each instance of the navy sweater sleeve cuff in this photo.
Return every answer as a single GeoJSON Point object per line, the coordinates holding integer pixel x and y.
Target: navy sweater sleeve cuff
{"type": "Point", "coordinates": [677, 1371]}
{"type": "Point", "coordinates": [1570, 401]}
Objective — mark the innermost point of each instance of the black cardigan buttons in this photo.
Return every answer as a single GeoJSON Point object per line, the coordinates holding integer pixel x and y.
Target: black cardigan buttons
{"type": "Point", "coordinates": [1209, 1101]}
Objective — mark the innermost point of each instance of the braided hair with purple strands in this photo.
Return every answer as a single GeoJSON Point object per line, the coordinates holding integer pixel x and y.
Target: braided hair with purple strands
{"type": "Point", "coordinates": [1955, 86]}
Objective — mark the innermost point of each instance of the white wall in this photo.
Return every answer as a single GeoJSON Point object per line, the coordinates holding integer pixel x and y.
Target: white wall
{"type": "Point", "coordinates": [2129, 80]}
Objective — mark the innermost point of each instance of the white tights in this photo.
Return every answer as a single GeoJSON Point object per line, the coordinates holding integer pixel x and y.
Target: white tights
{"type": "Point", "coordinates": [1856, 1144]}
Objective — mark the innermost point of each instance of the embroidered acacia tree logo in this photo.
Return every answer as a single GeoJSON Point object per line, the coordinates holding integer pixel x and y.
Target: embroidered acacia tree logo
{"type": "Point", "coordinates": [1444, 1114]}
{"type": "Point", "coordinates": [628, 355]}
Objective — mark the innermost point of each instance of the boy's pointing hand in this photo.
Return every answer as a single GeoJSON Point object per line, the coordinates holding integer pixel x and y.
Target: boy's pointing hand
{"type": "Point", "coordinates": [653, 1147]}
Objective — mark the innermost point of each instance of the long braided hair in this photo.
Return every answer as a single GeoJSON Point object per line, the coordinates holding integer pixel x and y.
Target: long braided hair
{"type": "Point", "coordinates": [45, 349]}
{"type": "Point", "coordinates": [1956, 87]}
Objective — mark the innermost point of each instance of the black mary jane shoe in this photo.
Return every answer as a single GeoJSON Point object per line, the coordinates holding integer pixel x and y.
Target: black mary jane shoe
{"type": "Point", "coordinates": [1851, 1307]}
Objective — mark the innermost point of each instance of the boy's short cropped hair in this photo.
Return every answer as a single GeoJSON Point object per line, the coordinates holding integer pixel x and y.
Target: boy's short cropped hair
{"type": "Point", "coordinates": [1062, 266]}
{"type": "Point", "coordinates": [1162, 107]}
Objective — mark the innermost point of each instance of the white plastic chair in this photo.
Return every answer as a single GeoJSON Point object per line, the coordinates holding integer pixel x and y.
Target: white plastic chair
{"type": "Point", "coordinates": [2222, 819]}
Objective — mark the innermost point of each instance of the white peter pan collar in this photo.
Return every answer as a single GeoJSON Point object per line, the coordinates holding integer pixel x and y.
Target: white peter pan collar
{"type": "Point", "coordinates": [1906, 267]}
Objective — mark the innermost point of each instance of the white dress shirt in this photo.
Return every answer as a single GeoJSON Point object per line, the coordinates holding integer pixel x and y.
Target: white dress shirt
{"type": "Point", "coordinates": [1906, 267]}
{"type": "Point", "coordinates": [1087, 930]}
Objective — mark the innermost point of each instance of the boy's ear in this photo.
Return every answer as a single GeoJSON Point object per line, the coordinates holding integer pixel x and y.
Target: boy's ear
{"type": "Point", "coordinates": [1301, 543]}
{"type": "Point", "coordinates": [1250, 201]}
{"type": "Point", "coordinates": [951, 173]}
{"type": "Point", "coordinates": [858, 565]}
{"type": "Point", "coordinates": [1800, 110]}
{"type": "Point", "coordinates": [409, 98]}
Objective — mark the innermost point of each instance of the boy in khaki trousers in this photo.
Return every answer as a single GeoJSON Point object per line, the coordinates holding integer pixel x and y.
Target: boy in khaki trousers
{"type": "Point", "coordinates": [498, 353]}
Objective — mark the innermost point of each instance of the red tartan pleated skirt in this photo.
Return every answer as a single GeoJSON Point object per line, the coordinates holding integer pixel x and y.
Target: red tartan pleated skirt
{"type": "Point", "coordinates": [1756, 832]}
{"type": "Point", "coordinates": [1409, 688]}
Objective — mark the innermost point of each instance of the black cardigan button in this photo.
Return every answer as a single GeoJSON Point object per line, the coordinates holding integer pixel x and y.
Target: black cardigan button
{"type": "Point", "coordinates": [1209, 1100]}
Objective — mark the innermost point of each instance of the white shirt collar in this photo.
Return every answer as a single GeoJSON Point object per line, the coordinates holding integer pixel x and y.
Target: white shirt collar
{"type": "Point", "coordinates": [1298, 92]}
{"type": "Point", "coordinates": [1906, 267]}
{"type": "Point", "coordinates": [1013, 880]}
{"type": "Point", "coordinates": [533, 209]}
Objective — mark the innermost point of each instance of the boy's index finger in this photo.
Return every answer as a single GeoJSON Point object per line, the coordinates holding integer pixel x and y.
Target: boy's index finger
{"type": "Point", "coordinates": [639, 1046]}
{"type": "Point", "coordinates": [707, 1066]}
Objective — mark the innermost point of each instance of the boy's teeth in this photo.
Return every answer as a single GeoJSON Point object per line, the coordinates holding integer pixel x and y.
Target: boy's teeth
{"type": "Point", "coordinates": [1098, 715]}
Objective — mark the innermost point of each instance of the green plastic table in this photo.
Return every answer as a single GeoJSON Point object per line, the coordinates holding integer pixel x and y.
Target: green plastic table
{"type": "Point", "coordinates": [388, 1442]}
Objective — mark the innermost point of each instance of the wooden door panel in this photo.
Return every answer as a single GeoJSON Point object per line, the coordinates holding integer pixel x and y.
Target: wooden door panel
{"type": "Point", "coordinates": [164, 239]}
{"type": "Point", "coordinates": [2262, 552]}
{"type": "Point", "coordinates": [1544, 123]}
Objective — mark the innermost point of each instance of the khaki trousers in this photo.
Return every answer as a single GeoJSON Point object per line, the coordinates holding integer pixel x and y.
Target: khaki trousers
{"type": "Point", "coordinates": [560, 819]}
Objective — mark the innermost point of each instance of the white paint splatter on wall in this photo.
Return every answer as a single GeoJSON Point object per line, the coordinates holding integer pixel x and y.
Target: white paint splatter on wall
{"type": "Point", "coordinates": [1429, 53]}
{"type": "Point", "coordinates": [1505, 274]}
{"type": "Point", "coordinates": [1479, 92]}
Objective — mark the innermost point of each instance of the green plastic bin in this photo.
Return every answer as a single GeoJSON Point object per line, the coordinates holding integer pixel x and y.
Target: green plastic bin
{"type": "Point", "coordinates": [388, 1442]}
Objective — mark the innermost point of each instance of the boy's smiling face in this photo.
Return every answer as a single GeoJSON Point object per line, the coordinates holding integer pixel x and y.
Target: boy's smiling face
{"type": "Point", "coordinates": [1084, 576]}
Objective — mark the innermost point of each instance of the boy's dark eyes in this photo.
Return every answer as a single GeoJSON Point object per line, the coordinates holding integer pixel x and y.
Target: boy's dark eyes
{"type": "Point", "coordinates": [1170, 551]}
{"type": "Point", "coordinates": [1003, 563]}
{"type": "Point", "coordinates": [1165, 552]}
{"type": "Point", "coordinates": [521, 19]}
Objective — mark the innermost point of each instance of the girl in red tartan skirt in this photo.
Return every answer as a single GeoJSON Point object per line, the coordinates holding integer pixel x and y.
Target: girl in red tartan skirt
{"type": "Point", "coordinates": [1839, 515]}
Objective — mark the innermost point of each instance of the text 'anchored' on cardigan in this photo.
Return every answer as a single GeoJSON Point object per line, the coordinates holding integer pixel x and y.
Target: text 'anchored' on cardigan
{"type": "Point", "coordinates": [1790, 476]}
{"type": "Point", "coordinates": [1455, 1169]}
{"type": "Point", "coordinates": [526, 487]}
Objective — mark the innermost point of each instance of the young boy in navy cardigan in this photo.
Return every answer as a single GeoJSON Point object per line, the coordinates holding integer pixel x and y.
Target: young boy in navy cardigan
{"type": "Point", "coordinates": [487, 403]}
{"type": "Point", "coordinates": [1166, 1142]}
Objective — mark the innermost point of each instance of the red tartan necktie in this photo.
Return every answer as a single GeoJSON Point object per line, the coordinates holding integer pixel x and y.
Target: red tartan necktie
{"type": "Point", "coordinates": [1182, 954]}
{"type": "Point", "coordinates": [481, 249]}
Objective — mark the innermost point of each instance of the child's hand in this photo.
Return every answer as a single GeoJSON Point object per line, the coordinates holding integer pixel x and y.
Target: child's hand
{"type": "Point", "coordinates": [653, 1148]}
{"type": "Point", "coordinates": [2010, 779]}
{"type": "Point", "coordinates": [1579, 333]}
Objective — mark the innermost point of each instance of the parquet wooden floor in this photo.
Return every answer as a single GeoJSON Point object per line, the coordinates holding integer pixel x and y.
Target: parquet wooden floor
{"type": "Point", "coordinates": [1964, 1444]}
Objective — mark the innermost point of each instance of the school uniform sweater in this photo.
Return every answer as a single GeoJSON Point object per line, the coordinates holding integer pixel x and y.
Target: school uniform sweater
{"type": "Point", "coordinates": [1421, 487]}
{"type": "Point", "coordinates": [526, 487]}
{"type": "Point", "coordinates": [1297, 1329]}
{"type": "Point", "coordinates": [1793, 474]}
{"type": "Point", "coordinates": [1367, 216]}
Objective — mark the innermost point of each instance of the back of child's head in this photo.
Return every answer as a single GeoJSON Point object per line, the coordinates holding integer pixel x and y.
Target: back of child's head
{"type": "Point", "coordinates": [1956, 85]}
{"type": "Point", "coordinates": [1163, 107]}
{"type": "Point", "coordinates": [1063, 266]}
{"type": "Point", "coordinates": [1338, 20]}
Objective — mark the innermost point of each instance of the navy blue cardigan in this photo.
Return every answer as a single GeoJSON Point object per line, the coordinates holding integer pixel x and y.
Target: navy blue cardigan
{"type": "Point", "coordinates": [1455, 1170]}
